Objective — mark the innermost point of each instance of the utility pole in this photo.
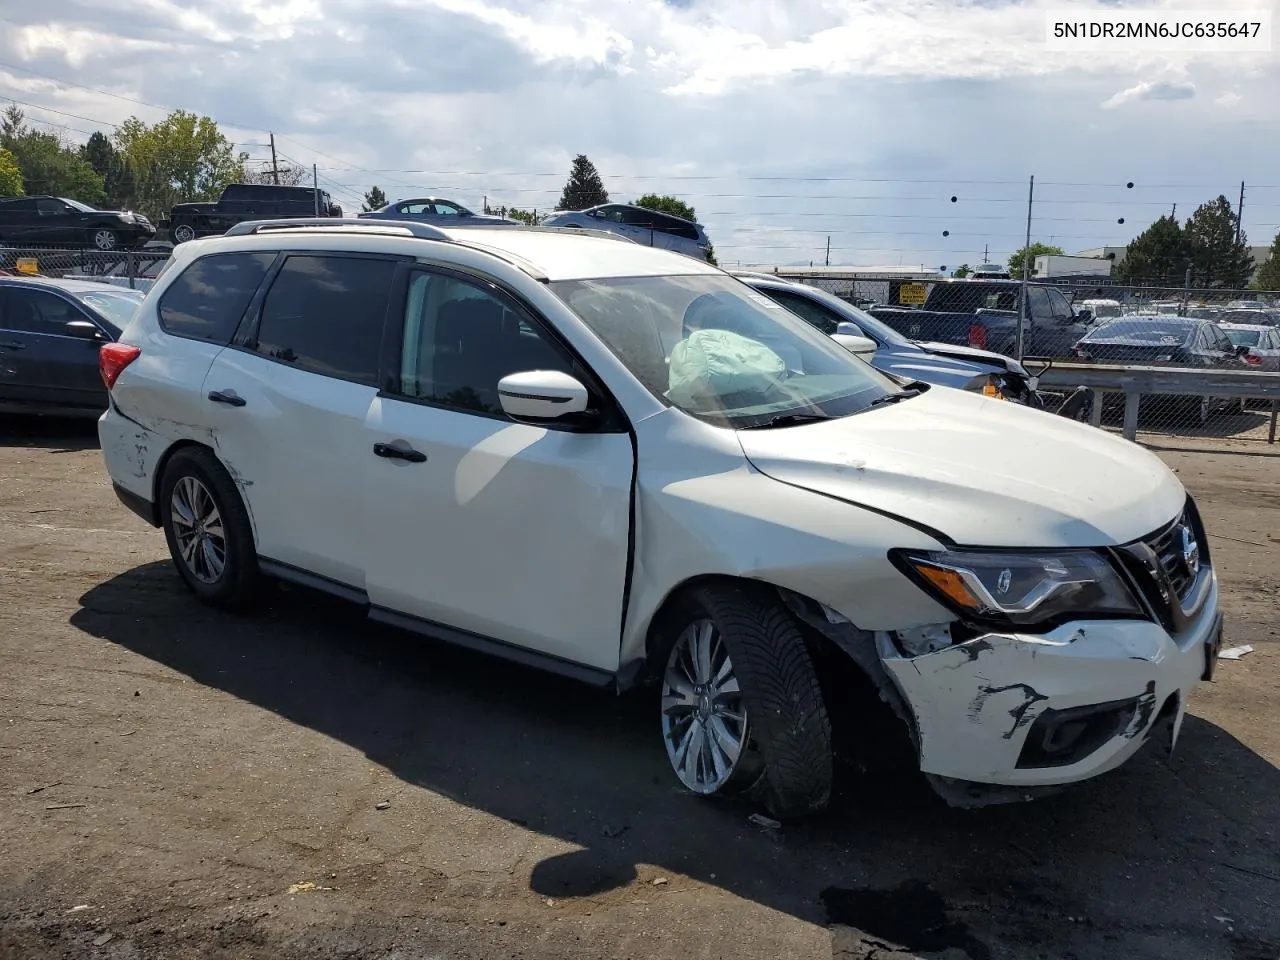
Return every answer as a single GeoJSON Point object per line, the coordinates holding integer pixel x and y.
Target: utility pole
{"type": "Point", "coordinates": [315, 184]}
{"type": "Point", "coordinates": [1240, 212]}
{"type": "Point", "coordinates": [275, 167]}
{"type": "Point", "coordinates": [828, 250]}
{"type": "Point", "coordinates": [1026, 271]}
{"type": "Point", "coordinates": [986, 253]}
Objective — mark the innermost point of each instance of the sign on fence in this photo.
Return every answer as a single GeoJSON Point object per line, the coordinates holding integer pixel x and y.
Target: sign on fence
{"type": "Point", "coordinates": [912, 294]}
{"type": "Point", "coordinates": [28, 265]}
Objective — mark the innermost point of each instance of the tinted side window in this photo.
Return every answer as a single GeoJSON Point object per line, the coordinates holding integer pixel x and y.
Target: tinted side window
{"type": "Point", "coordinates": [1038, 303]}
{"type": "Point", "coordinates": [208, 299]}
{"type": "Point", "coordinates": [238, 191]}
{"type": "Point", "coordinates": [460, 339]}
{"type": "Point", "coordinates": [805, 309]}
{"type": "Point", "coordinates": [35, 311]}
{"type": "Point", "coordinates": [325, 314]}
{"type": "Point", "coordinates": [1061, 308]}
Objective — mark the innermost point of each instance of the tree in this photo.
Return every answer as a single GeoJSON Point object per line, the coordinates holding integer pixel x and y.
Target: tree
{"type": "Point", "coordinates": [584, 187]}
{"type": "Point", "coordinates": [10, 175]}
{"type": "Point", "coordinates": [180, 159]}
{"type": "Point", "coordinates": [711, 255]}
{"type": "Point", "coordinates": [286, 174]}
{"type": "Point", "coordinates": [1218, 260]}
{"type": "Point", "coordinates": [106, 161]}
{"type": "Point", "coordinates": [1159, 256]}
{"type": "Point", "coordinates": [375, 199]}
{"type": "Point", "coordinates": [962, 271]}
{"type": "Point", "coordinates": [48, 166]}
{"type": "Point", "coordinates": [666, 204]}
{"type": "Point", "coordinates": [1037, 249]}
{"type": "Point", "coordinates": [531, 217]}
{"type": "Point", "coordinates": [1268, 277]}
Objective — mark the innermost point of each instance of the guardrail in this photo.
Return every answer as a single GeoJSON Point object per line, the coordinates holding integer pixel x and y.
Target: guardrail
{"type": "Point", "coordinates": [1135, 382]}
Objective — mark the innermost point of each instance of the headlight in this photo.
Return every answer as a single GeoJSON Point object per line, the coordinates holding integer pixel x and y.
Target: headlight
{"type": "Point", "coordinates": [1022, 589]}
{"type": "Point", "coordinates": [986, 384]}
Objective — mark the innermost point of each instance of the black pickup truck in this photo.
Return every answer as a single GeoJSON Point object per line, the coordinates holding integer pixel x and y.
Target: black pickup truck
{"type": "Point", "coordinates": [984, 314]}
{"type": "Point", "coordinates": [247, 201]}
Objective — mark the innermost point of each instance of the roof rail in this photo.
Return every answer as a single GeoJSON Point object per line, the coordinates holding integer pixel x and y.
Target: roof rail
{"type": "Point", "coordinates": [546, 228]}
{"type": "Point", "coordinates": [423, 231]}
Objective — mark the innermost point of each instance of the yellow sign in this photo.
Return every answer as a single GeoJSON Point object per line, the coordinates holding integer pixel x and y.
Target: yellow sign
{"type": "Point", "coordinates": [28, 265]}
{"type": "Point", "coordinates": [912, 294]}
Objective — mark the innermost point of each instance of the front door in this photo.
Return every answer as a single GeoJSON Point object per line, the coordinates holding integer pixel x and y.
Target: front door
{"type": "Point", "coordinates": [40, 361]}
{"type": "Point", "coordinates": [287, 408]}
{"type": "Point", "coordinates": [512, 532]}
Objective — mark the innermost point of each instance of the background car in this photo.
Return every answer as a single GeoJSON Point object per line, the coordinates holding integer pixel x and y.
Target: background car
{"type": "Point", "coordinates": [435, 210]}
{"type": "Point", "coordinates": [965, 368]}
{"type": "Point", "coordinates": [56, 221]}
{"type": "Point", "coordinates": [1249, 315]}
{"type": "Point", "coordinates": [649, 227]}
{"type": "Point", "coordinates": [1261, 345]}
{"type": "Point", "coordinates": [1164, 340]}
{"type": "Point", "coordinates": [50, 332]}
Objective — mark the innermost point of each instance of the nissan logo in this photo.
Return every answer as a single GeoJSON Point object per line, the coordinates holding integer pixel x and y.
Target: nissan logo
{"type": "Point", "coordinates": [1190, 551]}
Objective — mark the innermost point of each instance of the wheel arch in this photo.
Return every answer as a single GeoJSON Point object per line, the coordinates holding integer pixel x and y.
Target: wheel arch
{"type": "Point", "coordinates": [162, 465]}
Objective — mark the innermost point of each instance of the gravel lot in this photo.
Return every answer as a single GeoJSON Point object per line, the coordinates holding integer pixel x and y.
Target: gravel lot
{"type": "Point", "coordinates": [301, 783]}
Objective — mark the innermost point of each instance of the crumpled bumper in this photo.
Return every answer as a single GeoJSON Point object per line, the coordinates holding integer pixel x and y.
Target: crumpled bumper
{"type": "Point", "coordinates": [1024, 710]}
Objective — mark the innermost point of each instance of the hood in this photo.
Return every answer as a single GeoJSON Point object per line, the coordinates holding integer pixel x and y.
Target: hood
{"type": "Point", "coordinates": [977, 356]}
{"type": "Point", "coordinates": [980, 471]}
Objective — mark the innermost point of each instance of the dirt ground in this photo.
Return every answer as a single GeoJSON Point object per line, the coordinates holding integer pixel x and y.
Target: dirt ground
{"type": "Point", "coordinates": [175, 782]}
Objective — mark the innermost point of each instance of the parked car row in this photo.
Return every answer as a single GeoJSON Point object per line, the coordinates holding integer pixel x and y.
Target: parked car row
{"type": "Point", "coordinates": [621, 464]}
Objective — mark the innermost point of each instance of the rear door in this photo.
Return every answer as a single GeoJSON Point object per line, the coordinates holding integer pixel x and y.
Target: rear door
{"type": "Point", "coordinates": [40, 362]}
{"type": "Point", "coordinates": [287, 404]}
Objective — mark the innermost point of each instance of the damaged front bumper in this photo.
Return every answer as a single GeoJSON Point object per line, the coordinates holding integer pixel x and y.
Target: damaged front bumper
{"type": "Point", "coordinates": [1038, 710]}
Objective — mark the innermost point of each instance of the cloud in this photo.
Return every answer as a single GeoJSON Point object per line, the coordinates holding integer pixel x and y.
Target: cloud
{"type": "Point", "coordinates": [782, 123]}
{"type": "Point", "coordinates": [1152, 90]}
{"type": "Point", "coordinates": [1229, 99]}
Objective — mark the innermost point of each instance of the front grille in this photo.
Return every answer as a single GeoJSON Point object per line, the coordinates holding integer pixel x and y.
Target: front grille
{"type": "Point", "coordinates": [1169, 566]}
{"type": "Point", "coordinates": [1168, 547]}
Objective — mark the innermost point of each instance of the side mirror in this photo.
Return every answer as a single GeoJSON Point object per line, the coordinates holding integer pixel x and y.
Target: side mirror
{"type": "Point", "coordinates": [1242, 349]}
{"type": "Point", "coordinates": [849, 329]}
{"type": "Point", "coordinates": [859, 346]}
{"type": "Point", "coordinates": [542, 397]}
{"type": "Point", "coordinates": [83, 330]}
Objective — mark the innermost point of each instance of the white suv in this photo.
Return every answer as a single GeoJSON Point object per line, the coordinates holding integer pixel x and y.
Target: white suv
{"type": "Point", "coordinates": [624, 465]}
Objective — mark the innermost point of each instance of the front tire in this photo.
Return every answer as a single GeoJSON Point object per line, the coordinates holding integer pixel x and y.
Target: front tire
{"type": "Point", "coordinates": [208, 530]}
{"type": "Point", "coordinates": [182, 233]}
{"type": "Point", "coordinates": [742, 709]}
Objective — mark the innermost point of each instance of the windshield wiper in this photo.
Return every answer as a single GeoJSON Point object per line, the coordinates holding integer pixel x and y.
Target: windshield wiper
{"type": "Point", "coordinates": [789, 420]}
{"type": "Point", "coordinates": [906, 394]}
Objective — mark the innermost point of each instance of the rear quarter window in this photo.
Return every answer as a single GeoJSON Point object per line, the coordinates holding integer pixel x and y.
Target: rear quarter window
{"type": "Point", "coordinates": [207, 300]}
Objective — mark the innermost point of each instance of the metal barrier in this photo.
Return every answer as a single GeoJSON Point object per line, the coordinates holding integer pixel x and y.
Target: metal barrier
{"type": "Point", "coordinates": [1135, 382]}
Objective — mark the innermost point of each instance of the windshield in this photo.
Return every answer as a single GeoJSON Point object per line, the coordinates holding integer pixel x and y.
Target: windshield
{"type": "Point", "coordinates": [722, 352]}
{"type": "Point", "coordinates": [1243, 338]}
{"type": "Point", "coordinates": [1157, 331]}
{"type": "Point", "coordinates": [117, 307]}
{"type": "Point", "coordinates": [83, 208]}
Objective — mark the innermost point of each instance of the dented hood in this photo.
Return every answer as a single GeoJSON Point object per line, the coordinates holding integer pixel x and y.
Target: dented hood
{"type": "Point", "coordinates": [982, 472]}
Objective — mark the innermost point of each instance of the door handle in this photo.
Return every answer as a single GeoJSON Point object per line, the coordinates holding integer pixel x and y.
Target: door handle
{"type": "Point", "coordinates": [230, 399]}
{"type": "Point", "coordinates": [13, 346]}
{"type": "Point", "coordinates": [398, 453]}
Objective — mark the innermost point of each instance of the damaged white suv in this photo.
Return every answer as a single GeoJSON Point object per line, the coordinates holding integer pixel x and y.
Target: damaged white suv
{"type": "Point", "coordinates": [621, 464]}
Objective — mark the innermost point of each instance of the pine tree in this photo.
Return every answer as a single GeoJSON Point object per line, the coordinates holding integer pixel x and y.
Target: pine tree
{"type": "Point", "coordinates": [1218, 260]}
{"type": "Point", "coordinates": [375, 199]}
{"type": "Point", "coordinates": [584, 188]}
{"type": "Point", "coordinates": [117, 179]}
{"type": "Point", "coordinates": [1268, 277]}
{"type": "Point", "coordinates": [1157, 257]}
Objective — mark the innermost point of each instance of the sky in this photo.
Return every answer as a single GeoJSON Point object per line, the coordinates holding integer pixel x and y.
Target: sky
{"type": "Point", "coordinates": [782, 122]}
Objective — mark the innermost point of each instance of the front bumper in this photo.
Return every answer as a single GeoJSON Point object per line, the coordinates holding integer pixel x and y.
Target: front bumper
{"type": "Point", "coordinates": [1037, 710]}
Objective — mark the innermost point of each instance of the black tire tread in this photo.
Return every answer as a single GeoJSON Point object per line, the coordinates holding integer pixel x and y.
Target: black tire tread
{"type": "Point", "coordinates": [243, 580]}
{"type": "Point", "coordinates": [784, 701]}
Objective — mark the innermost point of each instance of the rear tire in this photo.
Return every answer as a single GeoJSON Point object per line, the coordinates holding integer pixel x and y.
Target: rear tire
{"type": "Point", "coordinates": [208, 530]}
{"type": "Point", "coordinates": [785, 758]}
{"type": "Point", "coordinates": [182, 233]}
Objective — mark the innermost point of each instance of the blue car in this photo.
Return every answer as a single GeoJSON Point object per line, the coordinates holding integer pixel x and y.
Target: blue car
{"type": "Point", "coordinates": [436, 210]}
{"type": "Point", "coordinates": [638, 224]}
{"type": "Point", "coordinates": [965, 368]}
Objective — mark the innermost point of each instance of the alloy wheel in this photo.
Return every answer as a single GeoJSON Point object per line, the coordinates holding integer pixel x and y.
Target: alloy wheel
{"type": "Point", "coordinates": [704, 718]}
{"type": "Point", "coordinates": [198, 529]}
{"type": "Point", "coordinates": [104, 240]}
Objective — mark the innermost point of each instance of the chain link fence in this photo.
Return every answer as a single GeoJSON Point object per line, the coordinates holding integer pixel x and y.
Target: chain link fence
{"type": "Point", "coordinates": [1095, 323]}
{"type": "Point", "coordinates": [136, 269]}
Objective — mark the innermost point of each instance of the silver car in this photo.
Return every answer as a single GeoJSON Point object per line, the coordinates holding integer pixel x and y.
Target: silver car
{"type": "Point", "coordinates": [649, 227]}
{"type": "Point", "coordinates": [1258, 344]}
{"type": "Point", "coordinates": [437, 210]}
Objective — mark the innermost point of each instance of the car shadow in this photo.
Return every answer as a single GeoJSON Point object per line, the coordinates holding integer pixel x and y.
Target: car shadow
{"type": "Point", "coordinates": [55, 434]}
{"type": "Point", "coordinates": [1156, 846]}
